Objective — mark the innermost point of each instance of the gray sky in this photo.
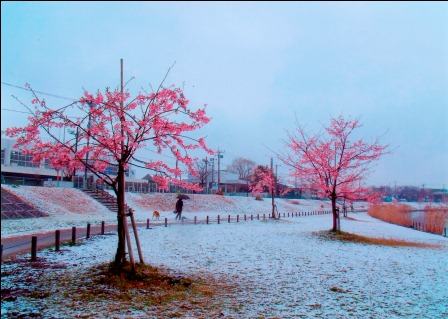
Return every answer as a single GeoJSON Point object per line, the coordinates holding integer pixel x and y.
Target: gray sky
{"type": "Point", "coordinates": [258, 66]}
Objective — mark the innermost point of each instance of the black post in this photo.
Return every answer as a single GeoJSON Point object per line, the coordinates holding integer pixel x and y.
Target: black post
{"type": "Point", "coordinates": [218, 219]}
{"type": "Point", "coordinates": [34, 248]}
{"type": "Point", "coordinates": [88, 231]}
{"type": "Point", "coordinates": [207, 219]}
{"type": "Point", "coordinates": [73, 235]}
{"type": "Point", "coordinates": [147, 223]}
{"type": "Point", "coordinates": [57, 240]}
{"type": "Point", "coordinates": [237, 218]}
{"type": "Point", "coordinates": [166, 222]}
{"type": "Point", "coordinates": [195, 220]}
{"type": "Point", "coordinates": [102, 228]}
{"type": "Point", "coordinates": [229, 218]}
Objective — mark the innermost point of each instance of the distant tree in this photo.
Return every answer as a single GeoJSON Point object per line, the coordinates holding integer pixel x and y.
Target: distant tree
{"type": "Point", "coordinates": [243, 167]}
{"type": "Point", "coordinates": [332, 162]}
{"type": "Point", "coordinates": [111, 128]}
{"type": "Point", "coordinates": [410, 193]}
{"type": "Point", "coordinates": [263, 180]}
{"type": "Point", "coordinates": [203, 172]}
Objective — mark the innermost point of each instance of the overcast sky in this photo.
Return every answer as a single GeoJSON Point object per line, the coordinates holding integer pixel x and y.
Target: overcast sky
{"type": "Point", "coordinates": [258, 66]}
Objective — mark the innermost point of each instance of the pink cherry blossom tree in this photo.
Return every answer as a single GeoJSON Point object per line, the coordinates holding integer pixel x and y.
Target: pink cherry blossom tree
{"type": "Point", "coordinates": [331, 162]}
{"type": "Point", "coordinates": [112, 127]}
{"type": "Point", "coordinates": [263, 180]}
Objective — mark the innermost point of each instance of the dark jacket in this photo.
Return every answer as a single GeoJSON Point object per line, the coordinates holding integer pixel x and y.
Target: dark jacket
{"type": "Point", "coordinates": [179, 205]}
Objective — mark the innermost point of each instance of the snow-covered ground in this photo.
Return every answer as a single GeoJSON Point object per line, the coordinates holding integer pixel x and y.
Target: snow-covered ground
{"type": "Point", "coordinates": [282, 269]}
{"type": "Point", "coordinates": [71, 207]}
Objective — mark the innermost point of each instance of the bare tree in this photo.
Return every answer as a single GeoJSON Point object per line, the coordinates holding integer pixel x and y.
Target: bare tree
{"type": "Point", "coordinates": [243, 167]}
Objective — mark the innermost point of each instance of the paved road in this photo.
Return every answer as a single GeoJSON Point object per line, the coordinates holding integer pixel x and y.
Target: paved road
{"type": "Point", "coordinates": [22, 244]}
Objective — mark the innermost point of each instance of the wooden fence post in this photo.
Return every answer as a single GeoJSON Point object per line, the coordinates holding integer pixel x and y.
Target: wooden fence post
{"type": "Point", "coordinates": [251, 217]}
{"type": "Point", "coordinates": [244, 217]}
{"type": "Point", "coordinates": [73, 235]}
{"type": "Point", "coordinates": [57, 241]}
{"type": "Point", "coordinates": [88, 231]}
{"type": "Point", "coordinates": [229, 218]}
{"type": "Point", "coordinates": [237, 218]}
{"type": "Point", "coordinates": [166, 222]}
{"type": "Point", "coordinates": [147, 223]}
{"type": "Point", "coordinates": [218, 219]}
{"type": "Point", "coordinates": [195, 220]}
{"type": "Point", "coordinates": [102, 228]}
{"type": "Point", "coordinates": [207, 219]}
{"type": "Point", "coordinates": [34, 248]}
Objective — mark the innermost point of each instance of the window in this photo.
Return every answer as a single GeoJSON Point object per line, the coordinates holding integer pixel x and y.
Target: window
{"type": "Point", "coordinates": [20, 159]}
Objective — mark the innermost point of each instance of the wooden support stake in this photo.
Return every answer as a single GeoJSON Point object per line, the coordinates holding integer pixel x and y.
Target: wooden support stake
{"type": "Point", "coordinates": [137, 241]}
{"type": "Point", "coordinates": [128, 241]}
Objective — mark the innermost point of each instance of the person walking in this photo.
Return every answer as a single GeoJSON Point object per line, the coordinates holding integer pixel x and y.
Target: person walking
{"type": "Point", "coordinates": [179, 205]}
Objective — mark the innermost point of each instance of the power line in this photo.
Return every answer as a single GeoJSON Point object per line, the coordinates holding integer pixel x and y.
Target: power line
{"type": "Point", "coordinates": [16, 111]}
{"type": "Point", "coordinates": [44, 93]}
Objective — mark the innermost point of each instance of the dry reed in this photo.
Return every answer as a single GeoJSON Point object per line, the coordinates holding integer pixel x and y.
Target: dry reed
{"type": "Point", "coordinates": [399, 214]}
{"type": "Point", "coordinates": [433, 221]}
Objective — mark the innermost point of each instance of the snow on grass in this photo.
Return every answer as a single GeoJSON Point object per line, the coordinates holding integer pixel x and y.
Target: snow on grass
{"type": "Point", "coordinates": [67, 207]}
{"type": "Point", "coordinates": [281, 269]}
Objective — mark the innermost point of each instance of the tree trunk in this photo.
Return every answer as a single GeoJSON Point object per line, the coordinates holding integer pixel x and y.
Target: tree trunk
{"type": "Point", "coordinates": [335, 213]}
{"type": "Point", "coordinates": [120, 256]}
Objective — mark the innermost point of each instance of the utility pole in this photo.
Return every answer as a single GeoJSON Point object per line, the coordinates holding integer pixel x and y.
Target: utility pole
{"type": "Point", "coordinates": [218, 152]}
{"type": "Point", "coordinates": [272, 188]}
{"type": "Point", "coordinates": [276, 179]}
{"type": "Point", "coordinates": [177, 166]}
{"type": "Point", "coordinates": [88, 139]}
{"type": "Point", "coordinates": [212, 161]}
{"type": "Point", "coordinates": [206, 175]}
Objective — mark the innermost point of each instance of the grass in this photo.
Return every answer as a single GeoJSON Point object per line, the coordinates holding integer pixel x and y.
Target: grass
{"type": "Point", "coordinates": [353, 238]}
{"type": "Point", "coordinates": [151, 292]}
